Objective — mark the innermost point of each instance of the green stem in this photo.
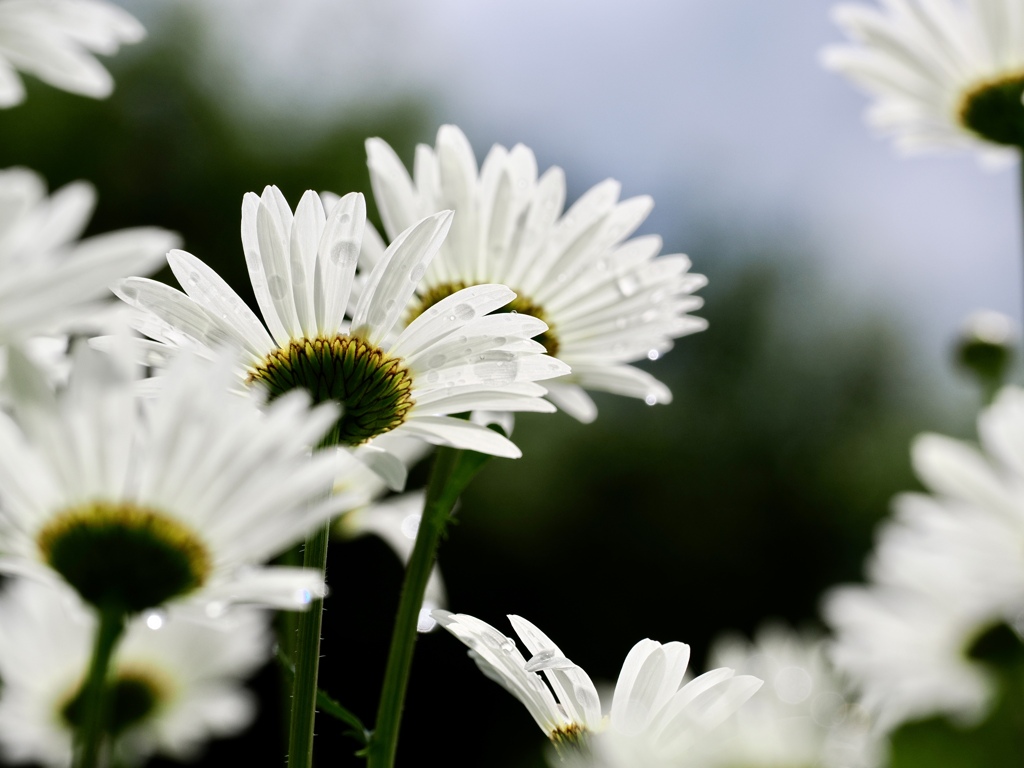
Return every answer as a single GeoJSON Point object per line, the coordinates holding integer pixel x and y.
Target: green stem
{"type": "Point", "coordinates": [307, 660]}
{"type": "Point", "coordinates": [95, 700]}
{"type": "Point", "coordinates": [441, 497]}
{"type": "Point", "coordinates": [304, 644]}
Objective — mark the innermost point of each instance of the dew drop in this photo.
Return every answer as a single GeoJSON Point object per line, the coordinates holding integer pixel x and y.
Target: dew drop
{"type": "Point", "coordinates": [276, 286]}
{"type": "Point", "coordinates": [304, 596]}
{"type": "Point", "coordinates": [155, 619]}
{"type": "Point", "coordinates": [464, 312]}
{"type": "Point", "coordinates": [130, 293]}
{"type": "Point", "coordinates": [432, 377]}
{"type": "Point", "coordinates": [410, 525]}
{"type": "Point", "coordinates": [653, 354]}
{"type": "Point", "coordinates": [345, 218]}
{"type": "Point", "coordinates": [417, 273]}
{"type": "Point", "coordinates": [193, 278]}
{"type": "Point", "coordinates": [627, 285]}
{"type": "Point", "coordinates": [436, 361]}
{"type": "Point", "coordinates": [651, 400]}
{"type": "Point", "coordinates": [343, 253]}
{"type": "Point", "coordinates": [508, 645]}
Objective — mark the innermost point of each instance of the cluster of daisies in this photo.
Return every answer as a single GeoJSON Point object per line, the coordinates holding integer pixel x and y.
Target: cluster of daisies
{"type": "Point", "coordinates": [161, 456]}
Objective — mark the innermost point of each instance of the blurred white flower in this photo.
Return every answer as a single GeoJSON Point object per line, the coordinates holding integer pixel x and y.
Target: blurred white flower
{"type": "Point", "coordinates": [455, 358]}
{"type": "Point", "coordinates": [55, 40]}
{"type": "Point", "coordinates": [947, 568]}
{"type": "Point", "coordinates": [607, 300]}
{"type": "Point", "coordinates": [945, 74]}
{"type": "Point", "coordinates": [802, 716]}
{"type": "Point", "coordinates": [179, 499]}
{"type": "Point", "coordinates": [654, 719]}
{"type": "Point", "coordinates": [173, 687]}
{"type": "Point", "coordinates": [50, 281]}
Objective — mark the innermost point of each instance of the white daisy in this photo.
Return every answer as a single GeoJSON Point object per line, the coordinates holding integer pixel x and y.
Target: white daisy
{"type": "Point", "coordinates": [945, 74]}
{"type": "Point", "coordinates": [455, 358]}
{"type": "Point", "coordinates": [654, 719]}
{"type": "Point", "coordinates": [55, 40]}
{"type": "Point", "coordinates": [804, 714]}
{"type": "Point", "coordinates": [173, 687]}
{"type": "Point", "coordinates": [946, 569]}
{"type": "Point", "coordinates": [905, 655]}
{"type": "Point", "coordinates": [178, 501]}
{"type": "Point", "coordinates": [607, 300]}
{"type": "Point", "coordinates": [49, 280]}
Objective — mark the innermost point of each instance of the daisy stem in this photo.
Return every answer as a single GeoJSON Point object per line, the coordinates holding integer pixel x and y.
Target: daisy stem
{"type": "Point", "coordinates": [307, 660]}
{"type": "Point", "coordinates": [307, 646]}
{"type": "Point", "coordinates": [94, 695]}
{"type": "Point", "coordinates": [445, 485]}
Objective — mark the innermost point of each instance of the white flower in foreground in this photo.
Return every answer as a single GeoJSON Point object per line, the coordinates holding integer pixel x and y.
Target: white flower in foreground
{"type": "Point", "coordinates": [55, 40]}
{"type": "Point", "coordinates": [802, 716]}
{"type": "Point", "coordinates": [947, 569]}
{"type": "Point", "coordinates": [945, 74]}
{"type": "Point", "coordinates": [454, 358]}
{"type": "Point", "coordinates": [607, 300]}
{"type": "Point", "coordinates": [49, 280]}
{"type": "Point", "coordinates": [179, 500]}
{"type": "Point", "coordinates": [174, 683]}
{"type": "Point", "coordinates": [654, 720]}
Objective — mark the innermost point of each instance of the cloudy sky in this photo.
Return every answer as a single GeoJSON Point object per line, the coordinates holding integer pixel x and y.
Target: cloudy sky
{"type": "Point", "coordinates": [717, 108]}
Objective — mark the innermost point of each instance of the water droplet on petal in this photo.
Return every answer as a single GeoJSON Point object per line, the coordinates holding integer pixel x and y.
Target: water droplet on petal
{"type": "Point", "coordinates": [193, 278]}
{"type": "Point", "coordinates": [417, 273]}
{"type": "Point", "coordinates": [464, 312]}
{"type": "Point", "coordinates": [653, 354]}
{"type": "Point", "coordinates": [304, 596]}
{"type": "Point", "coordinates": [508, 645]}
{"type": "Point", "coordinates": [155, 619]}
{"type": "Point", "coordinates": [651, 400]}
{"type": "Point", "coordinates": [276, 286]}
{"type": "Point", "coordinates": [410, 525]}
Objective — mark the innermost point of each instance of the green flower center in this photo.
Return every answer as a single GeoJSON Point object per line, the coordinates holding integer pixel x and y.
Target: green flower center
{"type": "Point", "coordinates": [994, 111]}
{"type": "Point", "coordinates": [133, 696]}
{"type": "Point", "coordinates": [520, 304]}
{"type": "Point", "coordinates": [372, 388]}
{"type": "Point", "coordinates": [124, 557]}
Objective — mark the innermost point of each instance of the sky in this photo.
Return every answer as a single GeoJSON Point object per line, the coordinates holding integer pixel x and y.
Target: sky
{"type": "Point", "coordinates": [719, 109]}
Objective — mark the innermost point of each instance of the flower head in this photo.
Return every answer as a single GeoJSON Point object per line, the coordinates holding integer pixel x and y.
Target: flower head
{"type": "Point", "coordinates": [607, 301]}
{"type": "Point", "coordinates": [55, 40]}
{"type": "Point", "coordinates": [174, 683]}
{"type": "Point", "coordinates": [946, 74]}
{"type": "Point", "coordinates": [49, 281]}
{"type": "Point", "coordinates": [654, 717]}
{"type": "Point", "coordinates": [179, 500]}
{"type": "Point", "coordinates": [946, 570]}
{"type": "Point", "coordinates": [387, 379]}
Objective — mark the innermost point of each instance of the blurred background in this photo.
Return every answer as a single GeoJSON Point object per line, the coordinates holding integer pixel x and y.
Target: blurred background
{"type": "Point", "coordinates": [839, 276]}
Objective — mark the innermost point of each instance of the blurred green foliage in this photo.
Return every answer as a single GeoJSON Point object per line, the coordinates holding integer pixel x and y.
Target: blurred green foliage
{"type": "Point", "coordinates": [744, 499]}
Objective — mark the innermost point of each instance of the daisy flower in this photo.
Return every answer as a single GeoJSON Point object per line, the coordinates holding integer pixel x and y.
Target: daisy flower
{"type": "Point", "coordinates": [55, 40]}
{"type": "Point", "coordinates": [180, 500]}
{"type": "Point", "coordinates": [388, 380]}
{"type": "Point", "coordinates": [654, 719]}
{"type": "Point", "coordinates": [803, 715]}
{"type": "Point", "coordinates": [49, 280]}
{"type": "Point", "coordinates": [607, 301]}
{"type": "Point", "coordinates": [174, 683]}
{"type": "Point", "coordinates": [946, 569]}
{"type": "Point", "coordinates": [945, 74]}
